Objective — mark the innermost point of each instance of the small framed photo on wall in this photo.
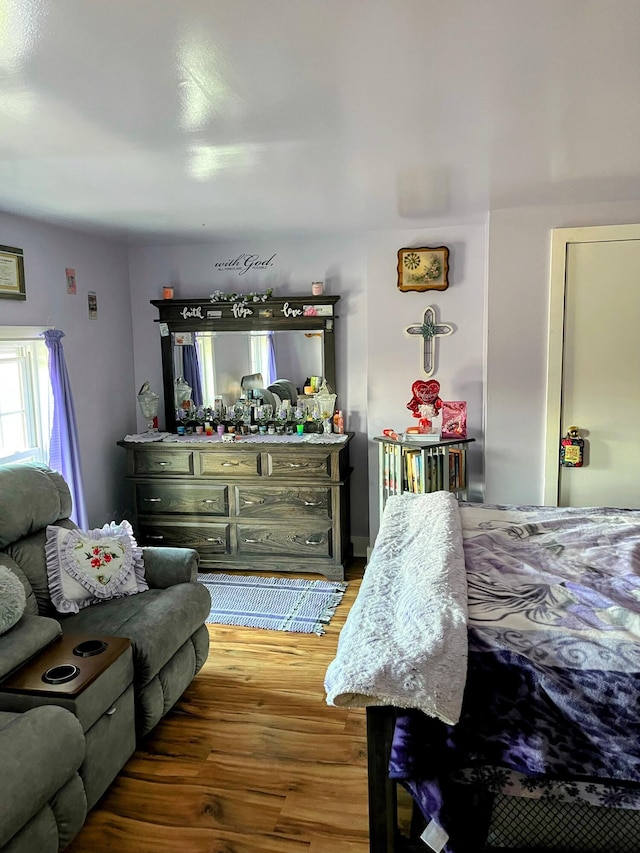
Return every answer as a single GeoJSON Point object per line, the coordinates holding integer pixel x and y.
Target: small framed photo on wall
{"type": "Point", "coordinates": [92, 299]}
{"type": "Point", "coordinates": [70, 275]}
{"type": "Point", "coordinates": [12, 273]}
{"type": "Point", "coordinates": [423, 269]}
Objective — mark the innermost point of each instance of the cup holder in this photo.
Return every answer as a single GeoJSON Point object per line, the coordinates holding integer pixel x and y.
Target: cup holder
{"type": "Point", "coordinates": [61, 674]}
{"type": "Point", "coordinates": [89, 648]}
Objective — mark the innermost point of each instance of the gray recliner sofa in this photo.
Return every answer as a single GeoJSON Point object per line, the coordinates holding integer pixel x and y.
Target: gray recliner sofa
{"type": "Point", "coordinates": [165, 624]}
{"type": "Point", "coordinates": [42, 797]}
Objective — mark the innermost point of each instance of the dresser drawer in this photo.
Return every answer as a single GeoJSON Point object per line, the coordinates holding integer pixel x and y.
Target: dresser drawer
{"type": "Point", "coordinates": [208, 539]}
{"type": "Point", "coordinates": [163, 462]}
{"type": "Point", "coordinates": [298, 464]}
{"type": "Point", "coordinates": [281, 502]}
{"type": "Point", "coordinates": [235, 463]}
{"type": "Point", "coordinates": [185, 499]}
{"type": "Point", "coordinates": [290, 540]}
{"type": "Point", "coordinates": [250, 506]}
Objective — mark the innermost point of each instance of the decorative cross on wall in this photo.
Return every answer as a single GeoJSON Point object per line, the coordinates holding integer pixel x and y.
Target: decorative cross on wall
{"type": "Point", "coordinates": [430, 330]}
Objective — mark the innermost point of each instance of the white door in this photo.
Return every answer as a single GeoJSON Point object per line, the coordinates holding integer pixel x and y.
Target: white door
{"type": "Point", "coordinates": [594, 365]}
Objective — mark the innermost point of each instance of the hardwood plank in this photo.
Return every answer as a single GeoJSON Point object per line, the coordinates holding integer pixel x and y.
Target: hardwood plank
{"type": "Point", "coordinates": [356, 723]}
{"type": "Point", "coordinates": [250, 760]}
{"type": "Point", "coordinates": [148, 764]}
{"type": "Point", "coordinates": [327, 844]}
{"type": "Point", "coordinates": [105, 834]}
{"type": "Point", "coordinates": [269, 736]}
{"type": "Point", "coordinates": [305, 777]}
{"type": "Point", "coordinates": [302, 815]}
{"type": "Point", "coordinates": [245, 701]}
{"type": "Point", "coordinates": [190, 803]}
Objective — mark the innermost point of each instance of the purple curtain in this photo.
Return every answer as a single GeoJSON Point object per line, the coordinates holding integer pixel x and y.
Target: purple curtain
{"type": "Point", "coordinates": [191, 369]}
{"type": "Point", "coordinates": [64, 452]}
{"type": "Point", "coordinates": [271, 374]}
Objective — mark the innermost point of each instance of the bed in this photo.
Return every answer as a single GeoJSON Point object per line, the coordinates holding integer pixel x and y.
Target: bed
{"type": "Point", "coordinates": [496, 649]}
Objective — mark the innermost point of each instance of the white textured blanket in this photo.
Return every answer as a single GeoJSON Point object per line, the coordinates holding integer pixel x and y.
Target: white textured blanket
{"type": "Point", "coordinates": [404, 642]}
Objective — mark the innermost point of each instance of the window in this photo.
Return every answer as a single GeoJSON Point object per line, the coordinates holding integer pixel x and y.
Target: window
{"type": "Point", "coordinates": [207, 361]}
{"type": "Point", "coordinates": [26, 404]}
{"type": "Point", "coordinates": [250, 352]}
{"type": "Point", "coordinates": [261, 349]}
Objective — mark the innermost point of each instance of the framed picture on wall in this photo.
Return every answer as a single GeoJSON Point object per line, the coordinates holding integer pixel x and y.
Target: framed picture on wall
{"type": "Point", "coordinates": [12, 273]}
{"type": "Point", "coordinates": [423, 269]}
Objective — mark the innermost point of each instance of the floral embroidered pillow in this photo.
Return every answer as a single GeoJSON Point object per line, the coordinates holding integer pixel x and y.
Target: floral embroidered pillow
{"type": "Point", "coordinates": [86, 567]}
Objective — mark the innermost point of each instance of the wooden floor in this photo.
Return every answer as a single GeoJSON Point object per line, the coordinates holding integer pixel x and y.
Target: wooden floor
{"type": "Point", "coordinates": [251, 760]}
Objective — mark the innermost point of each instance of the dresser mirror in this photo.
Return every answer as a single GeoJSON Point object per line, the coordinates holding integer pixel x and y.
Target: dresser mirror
{"type": "Point", "coordinates": [224, 358]}
{"type": "Point", "coordinates": [290, 339]}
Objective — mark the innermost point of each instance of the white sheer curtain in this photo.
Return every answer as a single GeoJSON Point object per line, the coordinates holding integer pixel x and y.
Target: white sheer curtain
{"type": "Point", "coordinates": [263, 358]}
{"type": "Point", "coordinates": [205, 342]}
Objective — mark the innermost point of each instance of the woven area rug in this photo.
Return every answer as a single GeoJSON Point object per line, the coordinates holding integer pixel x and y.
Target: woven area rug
{"type": "Point", "coordinates": [281, 604]}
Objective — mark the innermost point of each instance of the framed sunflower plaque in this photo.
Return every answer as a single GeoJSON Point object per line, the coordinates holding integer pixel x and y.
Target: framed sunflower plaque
{"type": "Point", "coordinates": [423, 269]}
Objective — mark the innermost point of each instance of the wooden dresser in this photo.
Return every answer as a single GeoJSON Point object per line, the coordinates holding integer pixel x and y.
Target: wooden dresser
{"type": "Point", "coordinates": [251, 504]}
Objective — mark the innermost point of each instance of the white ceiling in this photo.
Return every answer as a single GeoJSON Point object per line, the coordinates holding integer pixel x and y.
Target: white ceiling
{"type": "Point", "coordinates": [198, 119]}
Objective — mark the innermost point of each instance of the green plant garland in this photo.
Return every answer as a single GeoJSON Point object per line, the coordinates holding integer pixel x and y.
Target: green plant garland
{"type": "Point", "coordinates": [221, 296]}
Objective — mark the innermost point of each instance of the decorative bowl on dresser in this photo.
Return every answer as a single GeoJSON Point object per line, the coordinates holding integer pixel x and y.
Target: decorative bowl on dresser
{"type": "Point", "coordinates": [255, 504]}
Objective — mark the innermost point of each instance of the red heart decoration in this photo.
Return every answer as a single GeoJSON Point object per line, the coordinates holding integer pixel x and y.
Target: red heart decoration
{"type": "Point", "coordinates": [426, 392]}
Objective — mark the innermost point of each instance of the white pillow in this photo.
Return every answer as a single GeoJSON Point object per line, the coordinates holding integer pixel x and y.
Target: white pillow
{"type": "Point", "coordinates": [13, 599]}
{"type": "Point", "coordinates": [86, 567]}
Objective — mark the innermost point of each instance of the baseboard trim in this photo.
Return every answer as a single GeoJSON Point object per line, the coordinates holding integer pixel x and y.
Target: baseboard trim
{"type": "Point", "coordinates": [360, 546]}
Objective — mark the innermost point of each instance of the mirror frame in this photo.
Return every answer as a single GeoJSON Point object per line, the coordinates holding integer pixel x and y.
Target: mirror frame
{"type": "Point", "coordinates": [306, 313]}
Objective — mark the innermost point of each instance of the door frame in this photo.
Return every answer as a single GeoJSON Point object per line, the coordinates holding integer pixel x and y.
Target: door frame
{"type": "Point", "coordinates": [561, 238]}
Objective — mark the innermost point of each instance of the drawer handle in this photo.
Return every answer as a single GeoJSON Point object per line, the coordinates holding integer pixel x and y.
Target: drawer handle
{"type": "Point", "coordinates": [162, 464]}
{"type": "Point", "coordinates": [209, 501]}
{"type": "Point", "coordinates": [252, 541]}
{"type": "Point", "coordinates": [215, 539]}
{"type": "Point", "coordinates": [155, 536]}
{"type": "Point", "coordinates": [251, 503]}
{"type": "Point", "coordinates": [316, 542]}
{"type": "Point", "coordinates": [230, 464]}
{"type": "Point", "coordinates": [313, 503]}
{"type": "Point", "coordinates": [153, 500]}
{"type": "Point", "coordinates": [111, 711]}
{"type": "Point", "coordinates": [294, 464]}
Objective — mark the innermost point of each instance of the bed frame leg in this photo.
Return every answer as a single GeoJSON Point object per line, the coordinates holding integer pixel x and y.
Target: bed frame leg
{"type": "Point", "coordinates": [383, 799]}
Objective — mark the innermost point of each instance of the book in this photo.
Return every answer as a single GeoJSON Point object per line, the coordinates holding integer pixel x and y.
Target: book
{"type": "Point", "coordinates": [413, 458]}
{"type": "Point", "coordinates": [453, 478]}
{"type": "Point", "coordinates": [420, 478]}
{"type": "Point", "coordinates": [385, 468]}
{"type": "Point", "coordinates": [455, 469]}
{"type": "Point", "coordinates": [421, 437]}
{"type": "Point", "coordinates": [432, 472]}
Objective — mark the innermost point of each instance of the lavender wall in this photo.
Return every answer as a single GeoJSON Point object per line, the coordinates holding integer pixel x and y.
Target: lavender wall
{"type": "Point", "coordinates": [517, 334]}
{"type": "Point", "coordinates": [499, 291]}
{"type": "Point", "coordinates": [394, 358]}
{"type": "Point", "coordinates": [377, 361]}
{"type": "Point", "coordinates": [99, 352]}
{"type": "Point", "coordinates": [111, 356]}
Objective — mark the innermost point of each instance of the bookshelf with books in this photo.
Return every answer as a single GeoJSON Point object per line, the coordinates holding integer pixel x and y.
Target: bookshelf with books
{"type": "Point", "coordinates": [421, 466]}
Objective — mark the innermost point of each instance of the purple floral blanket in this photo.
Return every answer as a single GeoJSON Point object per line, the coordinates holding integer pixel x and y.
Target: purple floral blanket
{"type": "Point", "coordinates": [554, 667]}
